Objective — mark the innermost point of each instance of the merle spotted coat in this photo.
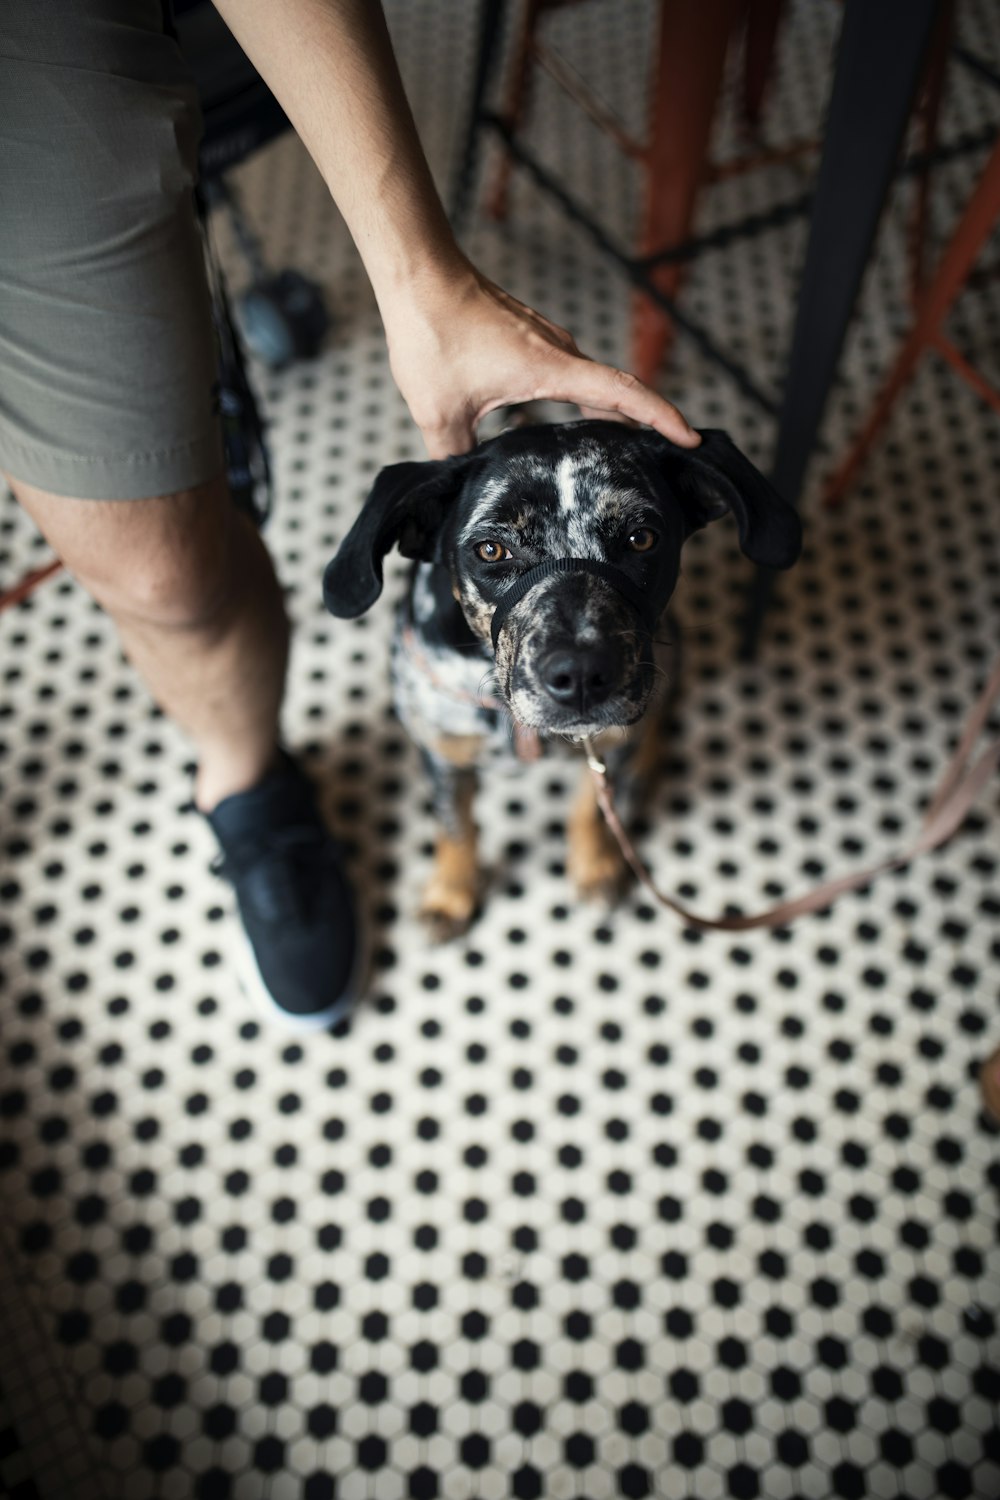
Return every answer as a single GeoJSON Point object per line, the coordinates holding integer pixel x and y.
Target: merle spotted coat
{"type": "Point", "coordinates": [567, 538]}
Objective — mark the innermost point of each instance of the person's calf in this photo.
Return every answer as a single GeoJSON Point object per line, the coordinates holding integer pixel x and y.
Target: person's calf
{"type": "Point", "coordinates": [198, 608]}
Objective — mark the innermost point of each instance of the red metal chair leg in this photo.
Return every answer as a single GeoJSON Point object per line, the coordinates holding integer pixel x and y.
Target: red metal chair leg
{"type": "Point", "coordinates": [690, 56]}
{"type": "Point", "coordinates": [763, 19]}
{"type": "Point", "coordinates": [28, 584]}
{"type": "Point", "coordinates": [958, 260]}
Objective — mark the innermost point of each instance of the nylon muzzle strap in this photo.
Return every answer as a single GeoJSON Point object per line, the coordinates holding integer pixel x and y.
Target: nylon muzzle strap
{"type": "Point", "coordinates": [640, 601]}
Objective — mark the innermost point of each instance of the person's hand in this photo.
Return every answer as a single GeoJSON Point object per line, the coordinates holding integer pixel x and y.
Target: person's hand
{"type": "Point", "coordinates": [458, 345]}
{"type": "Point", "coordinates": [465, 346]}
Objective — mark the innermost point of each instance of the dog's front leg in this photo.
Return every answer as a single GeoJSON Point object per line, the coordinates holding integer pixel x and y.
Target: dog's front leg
{"type": "Point", "coordinates": [452, 893]}
{"type": "Point", "coordinates": [595, 864]}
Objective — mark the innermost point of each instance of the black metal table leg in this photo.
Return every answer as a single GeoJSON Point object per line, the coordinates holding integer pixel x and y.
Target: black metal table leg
{"type": "Point", "coordinates": [879, 59]}
{"type": "Point", "coordinates": [491, 17]}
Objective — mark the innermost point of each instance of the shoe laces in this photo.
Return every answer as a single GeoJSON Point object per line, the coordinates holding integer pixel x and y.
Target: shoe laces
{"type": "Point", "coordinates": [278, 871]}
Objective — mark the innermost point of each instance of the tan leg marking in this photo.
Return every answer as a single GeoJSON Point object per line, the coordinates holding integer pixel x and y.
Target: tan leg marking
{"type": "Point", "coordinates": [595, 862]}
{"type": "Point", "coordinates": [462, 750]}
{"type": "Point", "coordinates": [644, 766]}
{"type": "Point", "coordinates": [596, 865]}
{"type": "Point", "coordinates": [452, 892]}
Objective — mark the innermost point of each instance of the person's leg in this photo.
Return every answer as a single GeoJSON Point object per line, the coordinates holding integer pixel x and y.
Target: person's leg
{"type": "Point", "coordinates": [199, 611]}
{"type": "Point", "coordinates": [198, 608]}
{"type": "Point", "coordinates": [109, 429]}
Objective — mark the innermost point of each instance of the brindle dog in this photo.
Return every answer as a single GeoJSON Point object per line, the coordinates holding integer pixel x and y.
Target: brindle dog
{"type": "Point", "coordinates": [545, 559]}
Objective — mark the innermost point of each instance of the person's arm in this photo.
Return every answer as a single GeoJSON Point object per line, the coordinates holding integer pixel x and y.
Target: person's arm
{"type": "Point", "coordinates": [459, 346]}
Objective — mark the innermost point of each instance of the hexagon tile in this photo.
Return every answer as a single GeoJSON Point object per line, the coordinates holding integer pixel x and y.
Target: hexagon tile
{"type": "Point", "coordinates": [585, 1204]}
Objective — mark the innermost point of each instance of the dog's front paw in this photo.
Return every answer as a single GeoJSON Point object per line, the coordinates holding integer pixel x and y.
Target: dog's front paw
{"type": "Point", "coordinates": [448, 909]}
{"type": "Point", "coordinates": [597, 867]}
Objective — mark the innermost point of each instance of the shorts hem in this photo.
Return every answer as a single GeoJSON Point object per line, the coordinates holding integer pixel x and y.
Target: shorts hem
{"type": "Point", "coordinates": [126, 476]}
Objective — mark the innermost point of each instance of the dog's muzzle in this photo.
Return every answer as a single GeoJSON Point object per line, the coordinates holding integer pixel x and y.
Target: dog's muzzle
{"type": "Point", "coordinates": [641, 602]}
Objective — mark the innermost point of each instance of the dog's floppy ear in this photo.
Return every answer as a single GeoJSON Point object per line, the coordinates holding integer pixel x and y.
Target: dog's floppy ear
{"type": "Point", "coordinates": [407, 505]}
{"type": "Point", "coordinates": [716, 477]}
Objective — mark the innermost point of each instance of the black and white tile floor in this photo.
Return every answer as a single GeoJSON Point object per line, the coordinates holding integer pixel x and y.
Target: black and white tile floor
{"type": "Point", "coordinates": [584, 1205]}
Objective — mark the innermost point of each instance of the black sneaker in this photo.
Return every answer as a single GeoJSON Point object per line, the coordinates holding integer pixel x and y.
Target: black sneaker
{"type": "Point", "coordinates": [297, 908]}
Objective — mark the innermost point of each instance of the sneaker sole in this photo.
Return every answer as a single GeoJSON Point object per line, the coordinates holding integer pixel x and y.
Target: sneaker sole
{"type": "Point", "coordinates": [252, 984]}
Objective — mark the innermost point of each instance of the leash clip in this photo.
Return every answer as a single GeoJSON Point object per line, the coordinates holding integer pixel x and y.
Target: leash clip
{"type": "Point", "coordinates": [593, 761]}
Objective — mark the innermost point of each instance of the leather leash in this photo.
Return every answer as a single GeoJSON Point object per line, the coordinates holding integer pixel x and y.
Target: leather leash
{"type": "Point", "coordinates": [951, 803]}
{"type": "Point", "coordinates": [953, 799]}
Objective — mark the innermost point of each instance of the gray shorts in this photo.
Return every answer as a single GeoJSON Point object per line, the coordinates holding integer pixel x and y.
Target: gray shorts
{"type": "Point", "coordinates": [107, 353]}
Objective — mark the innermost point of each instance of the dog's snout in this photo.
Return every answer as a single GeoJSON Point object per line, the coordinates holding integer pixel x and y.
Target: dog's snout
{"type": "Point", "coordinates": [582, 677]}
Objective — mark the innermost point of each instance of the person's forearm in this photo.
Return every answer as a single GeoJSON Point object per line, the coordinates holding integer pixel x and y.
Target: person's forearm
{"type": "Point", "coordinates": [330, 65]}
{"type": "Point", "coordinates": [458, 346]}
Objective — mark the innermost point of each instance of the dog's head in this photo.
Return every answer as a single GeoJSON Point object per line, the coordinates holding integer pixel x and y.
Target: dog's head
{"type": "Point", "coordinates": [563, 545]}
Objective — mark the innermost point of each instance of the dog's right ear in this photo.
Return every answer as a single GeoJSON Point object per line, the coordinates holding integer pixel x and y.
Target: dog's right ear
{"type": "Point", "coordinates": [407, 505]}
{"type": "Point", "coordinates": [716, 477]}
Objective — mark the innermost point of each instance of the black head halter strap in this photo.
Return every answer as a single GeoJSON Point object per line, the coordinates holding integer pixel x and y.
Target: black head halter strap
{"type": "Point", "coordinates": [640, 601]}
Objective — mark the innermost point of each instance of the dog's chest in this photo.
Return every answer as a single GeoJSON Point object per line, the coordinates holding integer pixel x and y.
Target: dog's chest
{"type": "Point", "coordinates": [441, 694]}
{"type": "Point", "coordinates": [442, 678]}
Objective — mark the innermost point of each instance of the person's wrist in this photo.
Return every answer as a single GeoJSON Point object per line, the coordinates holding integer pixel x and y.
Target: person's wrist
{"type": "Point", "coordinates": [424, 285]}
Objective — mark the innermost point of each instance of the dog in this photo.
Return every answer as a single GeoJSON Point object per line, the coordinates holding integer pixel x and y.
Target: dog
{"type": "Point", "coordinates": [544, 561]}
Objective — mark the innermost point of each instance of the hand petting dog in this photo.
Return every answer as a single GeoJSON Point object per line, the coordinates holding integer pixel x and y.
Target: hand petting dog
{"type": "Point", "coordinates": [464, 347]}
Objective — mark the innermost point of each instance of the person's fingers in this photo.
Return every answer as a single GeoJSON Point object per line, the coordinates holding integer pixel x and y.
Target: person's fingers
{"type": "Point", "coordinates": [613, 396]}
{"type": "Point", "coordinates": [608, 416]}
{"type": "Point", "coordinates": [494, 351]}
{"type": "Point", "coordinates": [604, 391]}
{"type": "Point", "coordinates": [600, 390]}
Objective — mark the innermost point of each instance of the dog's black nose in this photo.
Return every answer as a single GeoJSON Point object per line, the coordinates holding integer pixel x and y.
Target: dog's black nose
{"type": "Point", "coordinates": [582, 677]}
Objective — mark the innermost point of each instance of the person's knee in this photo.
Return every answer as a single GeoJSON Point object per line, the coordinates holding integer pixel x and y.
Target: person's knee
{"type": "Point", "coordinates": [187, 577]}
{"type": "Point", "coordinates": [172, 561]}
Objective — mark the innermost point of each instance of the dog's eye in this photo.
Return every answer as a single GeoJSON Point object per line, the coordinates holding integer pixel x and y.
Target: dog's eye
{"type": "Point", "coordinates": [492, 552]}
{"type": "Point", "coordinates": [642, 539]}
